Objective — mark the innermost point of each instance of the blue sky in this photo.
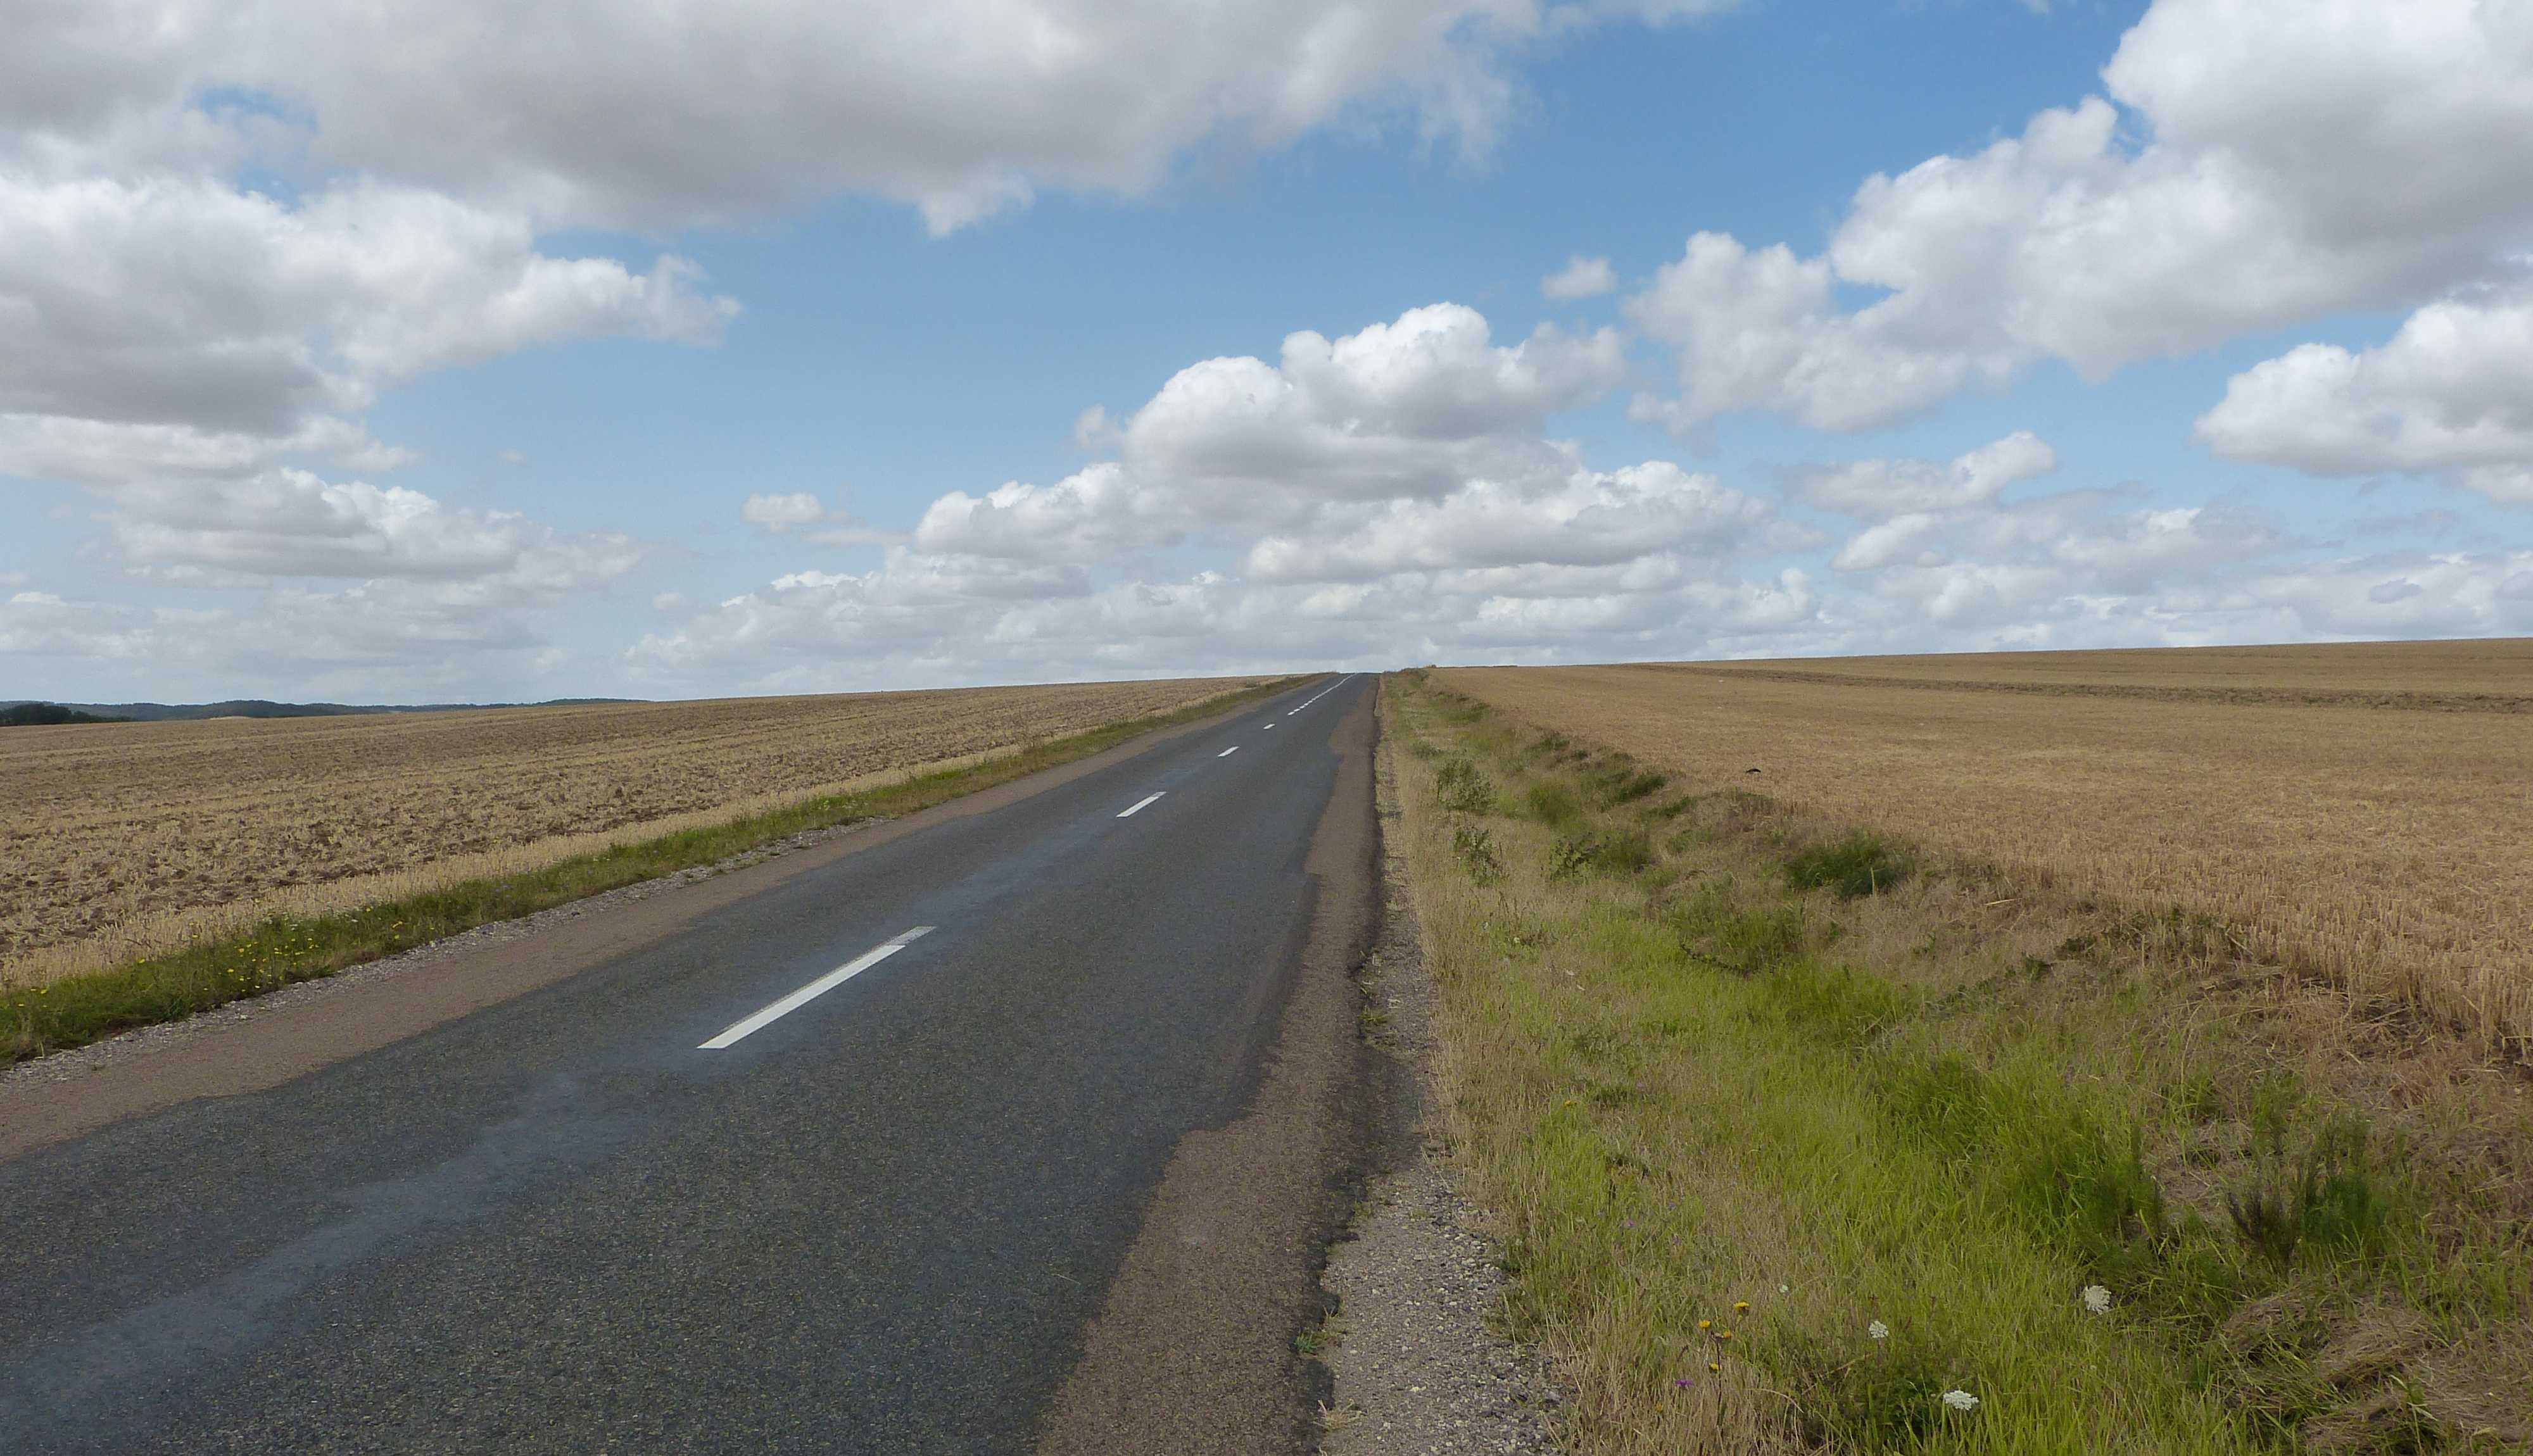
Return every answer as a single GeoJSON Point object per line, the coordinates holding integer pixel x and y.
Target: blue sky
{"type": "Point", "coordinates": [334, 381]}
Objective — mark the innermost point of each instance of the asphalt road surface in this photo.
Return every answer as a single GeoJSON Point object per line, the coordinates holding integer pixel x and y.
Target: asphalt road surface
{"type": "Point", "coordinates": [847, 1163]}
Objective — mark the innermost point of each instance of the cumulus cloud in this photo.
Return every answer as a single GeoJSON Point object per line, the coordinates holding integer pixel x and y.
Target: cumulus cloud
{"type": "Point", "coordinates": [1413, 407]}
{"type": "Point", "coordinates": [183, 319]}
{"type": "Point", "coordinates": [777, 514]}
{"type": "Point", "coordinates": [1940, 545]}
{"type": "Point", "coordinates": [1894, 487]}
{"type": "Point", "coordinates": [1589, 518]}
{"type": "Point", "coordinates": [1581, 277]}
{"type": "Point", "coordinates": [317, 585]}
{"type": "Point", "coordinates": [2279, 161]}
{"type": "Point", "coordinates": [1093, 513]}
{"type": "Point", "coordinates": [2448, 394]}
{"type": "Point", "coordinates": [1391, 489]}
{"type": "Point", "coordinates": [706, 111]}
{"type": "Point", "coordinates": [291, 523]}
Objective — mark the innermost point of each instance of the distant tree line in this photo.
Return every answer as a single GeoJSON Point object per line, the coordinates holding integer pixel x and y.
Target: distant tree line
{"type": "Point", "coordinates": [38, 715]}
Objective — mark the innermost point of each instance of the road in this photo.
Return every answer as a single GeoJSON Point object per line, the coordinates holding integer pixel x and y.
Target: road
{"type": "Point", "coordinates": [850, 1161]}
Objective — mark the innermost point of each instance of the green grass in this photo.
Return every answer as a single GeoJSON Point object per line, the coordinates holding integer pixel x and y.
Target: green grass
{"type": "Point", "coordinates": [1686, 1089]}
{"type": "Point", "coordinates": [1852, 868]}
{"type": "Point", "coordinates": [278, 952]}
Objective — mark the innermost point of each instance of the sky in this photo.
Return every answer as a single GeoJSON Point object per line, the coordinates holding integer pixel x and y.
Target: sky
{"type": "Point", "coordinates": [442, 350]}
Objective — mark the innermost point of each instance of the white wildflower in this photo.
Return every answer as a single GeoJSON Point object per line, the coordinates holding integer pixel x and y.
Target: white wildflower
{"type": "Point", "coordinates": [1784, 1288]}
{"type": "Point", "coordinates": [1961, 1400]}
{"type": "Point", "coordinates": [1878, 1330]}
{"type": "Point", "coordinates": [2097, 1300]}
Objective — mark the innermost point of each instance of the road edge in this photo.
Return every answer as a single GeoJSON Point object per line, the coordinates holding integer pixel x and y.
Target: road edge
{"type": "Point", "coordinates": [1197, 1346]}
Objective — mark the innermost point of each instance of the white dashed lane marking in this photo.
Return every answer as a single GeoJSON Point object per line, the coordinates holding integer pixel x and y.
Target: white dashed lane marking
{"type": "Point", "coordinates": [815, 989]}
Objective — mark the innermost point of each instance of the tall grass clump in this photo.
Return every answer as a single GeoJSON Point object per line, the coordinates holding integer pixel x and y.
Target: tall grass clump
{"type": "Point", "coordinates": [1852, 868]}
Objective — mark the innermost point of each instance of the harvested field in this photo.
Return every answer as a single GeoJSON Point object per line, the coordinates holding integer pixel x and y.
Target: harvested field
{"type": "Point", "coordinates": [125, 840]}
{"type": "Point", "coordinates": [2356, 811]}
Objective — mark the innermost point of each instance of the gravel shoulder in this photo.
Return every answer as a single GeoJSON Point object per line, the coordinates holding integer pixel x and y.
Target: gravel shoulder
{"type": "Point", "coordinates": [1417, 1364]}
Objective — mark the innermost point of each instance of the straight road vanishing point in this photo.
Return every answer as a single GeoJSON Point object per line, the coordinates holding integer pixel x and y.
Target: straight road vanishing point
{"type": "Point", "coordinates": [847, 1151]}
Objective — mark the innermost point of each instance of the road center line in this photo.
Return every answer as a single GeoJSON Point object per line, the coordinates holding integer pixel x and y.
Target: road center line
{"type": "Point", "coordinates": [1227, 752]}
{"type": "Point", "coordinates": [1140, 804]}
{"type": "Point", "coordinates": [815, 989]}
{"type": "Point", "coordinates": [1321, 693]}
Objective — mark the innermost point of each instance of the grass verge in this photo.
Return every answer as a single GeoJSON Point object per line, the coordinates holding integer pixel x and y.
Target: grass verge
{"type": "Point", "coordinates": [282, 951]}
{"type": "Point", "coordinates": [1800, 1138]}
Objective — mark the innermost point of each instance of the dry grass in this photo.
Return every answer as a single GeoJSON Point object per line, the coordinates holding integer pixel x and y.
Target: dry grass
{"type": "Point", "coordinates": [125, 841]}
{"type": "Point", "coordinates": [2355, 812]}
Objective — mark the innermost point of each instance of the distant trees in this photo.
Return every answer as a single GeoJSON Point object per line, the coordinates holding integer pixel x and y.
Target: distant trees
{"type": "Point", "coordinates": [37, 715]}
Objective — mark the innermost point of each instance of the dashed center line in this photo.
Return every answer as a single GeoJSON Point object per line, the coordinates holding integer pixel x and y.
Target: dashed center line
{"type": "Point", "coordinates": [1140, 805]}
{"type": "Point", "coordinates": [1321, 693]}
{"type": "Point", "coordinates": [1227, 752]}
{"type": "Point", "coordinates": [815, 989]}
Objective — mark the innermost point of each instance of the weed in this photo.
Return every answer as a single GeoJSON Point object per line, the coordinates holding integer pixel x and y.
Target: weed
{"type": "Point", "coordinates": [1621, 784]}
{"type": "Point", "coordinates": [1553, 802]}
{"type": "Point", "coordinates": [2323, 1196]}
{"type": "Point", "coordinates": [1714, 927]}
{"type": "Point", "coordinates": [1623, 853]}
{"type": "Point", "coordinates": [1477, 851]}
{"type": "Point", "coordinates": [1837, 1003]}
{"type": "Point", "coordinates": [1462, 788]}
{"type": "Point", "coordinates": [1887, 1395]}
{"type": "Point", "coordinates": [1853, 868]}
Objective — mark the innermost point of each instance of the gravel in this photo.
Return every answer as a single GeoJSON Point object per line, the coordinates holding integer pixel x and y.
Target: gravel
{"type": "Point", "coordinates": [1418, 1363]}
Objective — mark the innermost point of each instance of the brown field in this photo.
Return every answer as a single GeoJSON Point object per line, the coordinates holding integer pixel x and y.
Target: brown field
{"type": "Point", "coordinates": [127, 839]}
{"type": "Point", "coordinates": [2362, 812]}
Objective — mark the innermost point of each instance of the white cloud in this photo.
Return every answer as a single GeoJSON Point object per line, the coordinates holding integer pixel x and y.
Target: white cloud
{"type": "Point", "coordinates": [2290, 158]}
{"type": "Point", "coordinates": [1871, 489]}
{"type": "Point", "coordinates": [1587, 519]}
{"type": "Point", "coordinates": [322, 586]}
{"type": "Point", "coordinates": [2451, 391]}
{"type": "Point", "coordinates": [707, 110]}
{"type": "Point", "coordinates": [188, 303]}
{"type": "Point", "coordinates": [291, 523]}
{"type": "Point", "coordinates": [1413, 407]}
{"type": "Point", "coordinates": [780, 513]}
{"type": "Point", "coordinates": [1093, 513]}
{"type": "Point", "coordinates": [1581, 277]}
{"type": "Point", "coordinates": [1944, 550]}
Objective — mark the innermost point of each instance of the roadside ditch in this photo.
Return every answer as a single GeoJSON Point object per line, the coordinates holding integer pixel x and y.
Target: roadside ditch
{"type": "Point", "coordinates": [1796, 1137]}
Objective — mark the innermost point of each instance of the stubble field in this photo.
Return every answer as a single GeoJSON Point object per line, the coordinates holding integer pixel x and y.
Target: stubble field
{"type": "Point", "coordinates": [123, 840]}
{"type": "Point", "coordinates": [2356, 811]}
